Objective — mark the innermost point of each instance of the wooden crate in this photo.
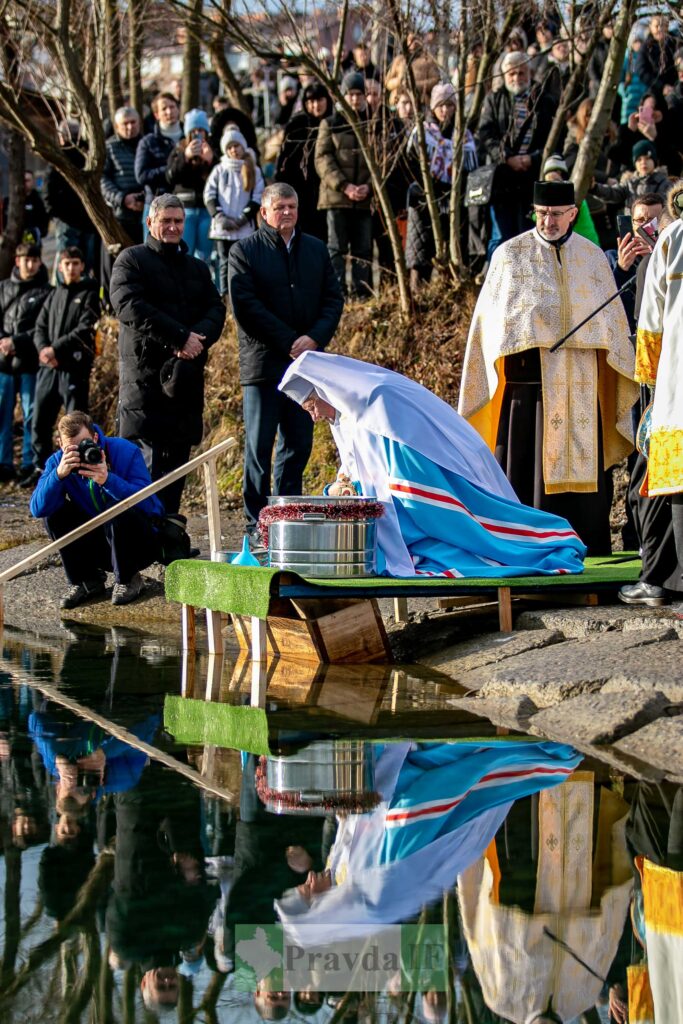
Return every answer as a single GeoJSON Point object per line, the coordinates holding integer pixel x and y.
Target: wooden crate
{"type": "Point", "coordinates": [348, 631]}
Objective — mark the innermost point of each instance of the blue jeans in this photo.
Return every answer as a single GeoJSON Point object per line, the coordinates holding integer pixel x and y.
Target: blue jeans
{"type": "Point", "coordinates": [196, 232]}
{"type": "Point", "coordinates": [270, 415]}
{"type": "Point", "coordinates": [25, 384]}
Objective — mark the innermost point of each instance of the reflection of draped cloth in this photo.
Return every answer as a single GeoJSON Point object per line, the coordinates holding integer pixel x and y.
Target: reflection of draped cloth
{"type": "Point", "coordinates": [656, 992]}
{"type": "Point", "coordinates": [530, 300]}
{"type": "Point", "coordinates": [442, 805]}
{"type": "Point", "coordinates": [581, 900]}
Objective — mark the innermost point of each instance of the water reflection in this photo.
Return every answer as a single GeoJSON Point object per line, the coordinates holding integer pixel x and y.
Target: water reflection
{"type": "Point", "coordinates": [152, 843]}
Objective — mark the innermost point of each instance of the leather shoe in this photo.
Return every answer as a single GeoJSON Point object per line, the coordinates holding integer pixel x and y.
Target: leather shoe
{"type": "Point", "coordinates": [643, 593]}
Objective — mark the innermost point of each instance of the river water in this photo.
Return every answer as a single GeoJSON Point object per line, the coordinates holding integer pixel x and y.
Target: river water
{"type": "Point", "coordinates": [163, 818]}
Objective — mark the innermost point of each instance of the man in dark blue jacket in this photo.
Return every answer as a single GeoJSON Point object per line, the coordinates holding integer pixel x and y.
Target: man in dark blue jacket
{"type": "Point", "coordinates": [286, 299]}
{"type": "Point", "coordinates": [74, 488]}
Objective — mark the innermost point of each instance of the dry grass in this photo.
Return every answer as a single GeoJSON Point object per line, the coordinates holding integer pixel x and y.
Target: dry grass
{"type": "Point", "coordinates": [429, 349]}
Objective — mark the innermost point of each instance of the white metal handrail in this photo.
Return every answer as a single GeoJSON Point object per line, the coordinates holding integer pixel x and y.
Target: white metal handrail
{"type": "Point", "coordinates": [207, 459]}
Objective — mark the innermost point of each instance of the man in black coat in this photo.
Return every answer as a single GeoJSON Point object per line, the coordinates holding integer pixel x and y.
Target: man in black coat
{"type": "Point", "coordinates": [169, 315]}
{"type": "Point", "coordinates": [21, 298]}
{"type": "Point", "coordinates": [36, 220]}
{"type": "Point", "coordinates": [513, 129]}
{"type": "Point", "coordinates": [65, 340]}
{"type": "Point", "coordinates": [286, 299]}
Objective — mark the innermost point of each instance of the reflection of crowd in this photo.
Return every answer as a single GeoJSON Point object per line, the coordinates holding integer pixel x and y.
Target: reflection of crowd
{"type": "Point", "coordinates": [541, 930]}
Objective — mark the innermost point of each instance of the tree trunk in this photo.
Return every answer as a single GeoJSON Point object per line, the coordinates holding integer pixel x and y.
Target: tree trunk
{"type": "Point", "coordinates": [12, 230]}
{"type": "Point", "coordinates": [191, 57]}
{"type": "Point", "coordinates": [221, 65]}
{"type": "Point", "coordinates": [109, 229]}
{"type": "Point", "coordinates": [112, 28]}
{"type": "Point", "coordinates": [571, 90]}
{"type": "Point", "coordinates": [135, 16]}
{"type": "Point", "coordinates": [398, 28]}
{"type": "Point", "coordinates": [592, 141]}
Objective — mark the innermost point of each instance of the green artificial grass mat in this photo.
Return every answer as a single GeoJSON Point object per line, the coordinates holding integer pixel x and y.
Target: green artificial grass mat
{"type": "Point", "coordinates": [240, 589]}
{"type": "Point", "coordinates": [246, 590]}
{"type": "Point", "coordinates": [236, 727]}
{"type": "Point", "coordinates": [196, 722]}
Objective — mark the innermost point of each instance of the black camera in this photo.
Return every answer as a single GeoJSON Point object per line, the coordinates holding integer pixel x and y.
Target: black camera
{"type": "Point", "coordinates": [89, 452]}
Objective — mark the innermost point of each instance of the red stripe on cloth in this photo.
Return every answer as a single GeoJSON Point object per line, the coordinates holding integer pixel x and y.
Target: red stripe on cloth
{"type": "Point", "coordinates": [403, 816]}
{"type": "Point", "coordinates": [447, 499]}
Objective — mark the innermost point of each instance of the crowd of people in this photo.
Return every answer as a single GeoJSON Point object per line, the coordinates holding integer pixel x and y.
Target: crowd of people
{"type": "Point", "coordinates": [275, 218]}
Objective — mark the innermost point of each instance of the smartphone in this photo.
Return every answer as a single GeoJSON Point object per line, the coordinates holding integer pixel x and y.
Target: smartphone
{"type": "Point", "coordinates": [624, 224]}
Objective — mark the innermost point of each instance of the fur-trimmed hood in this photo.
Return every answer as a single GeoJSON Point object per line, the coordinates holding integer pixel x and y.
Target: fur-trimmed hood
{"type": "Point", "coordinates": [672, 198]}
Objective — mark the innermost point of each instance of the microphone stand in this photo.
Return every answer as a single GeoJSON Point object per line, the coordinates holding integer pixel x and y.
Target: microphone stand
{"type": "Point", "coordinates": [627, 284]}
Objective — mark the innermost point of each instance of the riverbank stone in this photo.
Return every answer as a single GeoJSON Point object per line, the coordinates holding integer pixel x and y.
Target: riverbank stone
{"type": "Point", "coordinates": [595, 718]}
{"type": "Point", "coordinates": [565, 670]}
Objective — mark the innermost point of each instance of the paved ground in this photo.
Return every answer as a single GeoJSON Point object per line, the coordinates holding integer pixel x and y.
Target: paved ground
{"type": "Point", "coordinates": [607, 680]}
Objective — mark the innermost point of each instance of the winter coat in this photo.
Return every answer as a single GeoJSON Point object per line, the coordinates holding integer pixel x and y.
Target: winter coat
{"type": "Point", "coordinates": [277, 295]}
{"type": "Point", "coordinates": [225, 193]}
{"type": "Point", "coordinates": [151, 160]}
{"type": "Point", "coordinates": [635, 186]}
{"type": "Point", "coordinates": [118, 177]}
{"type": "Point", "coordinates": [61, 201]}
{"type": "Point", "coordinates": [498, 139]}
{"type": "Point", "coordinates": [296, 163]}
{"type": "Point", "coordinates": [654, 68]}
{"type": "Point", "coordinates": [20, 304]}
{"type": "Point", "coordinates": [340, 162]}
{"type": "Point", "coordinates": [187, 178]}
{"type": "Point", "coordinates": [35, 214]}
{"type": "Point", "coordinates": [621, 153]}
{"type": "Point", "coordinates": [160, 294]}
{"type": "Point", "coordinates": [67, 323]}
{"type": "Point", "coordinates": [127, 474]}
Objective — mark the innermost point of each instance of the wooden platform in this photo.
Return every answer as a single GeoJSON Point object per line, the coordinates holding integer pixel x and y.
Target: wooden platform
{"type": "Point", "coordinates": [338, 620]}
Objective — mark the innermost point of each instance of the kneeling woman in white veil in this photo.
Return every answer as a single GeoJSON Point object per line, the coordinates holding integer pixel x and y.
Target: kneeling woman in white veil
{"type": "Point", "coordinates": [449, 509]}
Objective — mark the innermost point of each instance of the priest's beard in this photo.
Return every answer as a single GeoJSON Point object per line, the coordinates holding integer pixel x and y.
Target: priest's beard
{"type": "Point", "coordinates": [555, 237]}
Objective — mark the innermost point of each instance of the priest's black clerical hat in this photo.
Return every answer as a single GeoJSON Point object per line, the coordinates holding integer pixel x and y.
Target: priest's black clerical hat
{"type": "Point", "coordinates": [553, 193]}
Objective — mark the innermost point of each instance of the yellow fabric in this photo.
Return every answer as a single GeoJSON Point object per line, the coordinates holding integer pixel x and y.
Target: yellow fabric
{"type": "Point", "coordinates": [665, 465]}
{"type": "Point", "coordinates": [641, 1009]}
{"type": "Point", "coordinates": [663, 899]}
{"type": "Point", "coordinates": [610, 858]}
{"type": "Point", "coordinates": [648, 352]}
{"type": "Point", "coordinates": [530, 300]}
{"type": "Point", "coordinates": [660, 359]}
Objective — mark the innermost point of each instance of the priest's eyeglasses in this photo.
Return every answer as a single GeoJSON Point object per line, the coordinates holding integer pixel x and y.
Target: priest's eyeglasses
{"type": "Point", "coordinates": [552, 214]}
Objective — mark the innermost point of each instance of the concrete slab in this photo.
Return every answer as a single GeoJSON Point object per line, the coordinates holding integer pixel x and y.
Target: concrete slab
{"type": "Point", "coordinates": [660, 744]}
{"type": "Point", "coordinates": [460, 659]}
{"type": "Point", "coordinates": [582, 622]}
{"type": "Point", "coordinates": [565, 670]}
{"type": "Point", "coordinates": [646, 670]}
{"type": "Point", "coordinates": [599, 717]}
{"type": "Point", "coordinates": [513, 712]}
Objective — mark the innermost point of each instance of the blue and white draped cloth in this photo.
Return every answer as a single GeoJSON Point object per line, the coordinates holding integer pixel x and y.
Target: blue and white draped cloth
{"type": "Point", "coordinates": [449, 509]}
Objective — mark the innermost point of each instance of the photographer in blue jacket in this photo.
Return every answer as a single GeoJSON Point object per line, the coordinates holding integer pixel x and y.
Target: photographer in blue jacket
{"type": "Point", "coordinates": [88, 475]}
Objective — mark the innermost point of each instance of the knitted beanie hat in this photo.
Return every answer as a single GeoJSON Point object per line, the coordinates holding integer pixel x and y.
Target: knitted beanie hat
{"type": "Point", "coordinates": [231, 135]}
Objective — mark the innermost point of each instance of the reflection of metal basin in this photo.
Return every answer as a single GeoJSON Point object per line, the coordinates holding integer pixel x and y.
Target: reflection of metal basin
{"type": "Point", "coordinates": [324, 777]}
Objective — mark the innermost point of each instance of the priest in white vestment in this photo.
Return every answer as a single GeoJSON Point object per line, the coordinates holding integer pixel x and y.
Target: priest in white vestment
{"type": "Point", "coordinates": [557, 421]}
{"type": "Point", "coordinates": [659, 363]}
